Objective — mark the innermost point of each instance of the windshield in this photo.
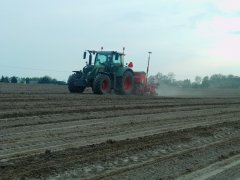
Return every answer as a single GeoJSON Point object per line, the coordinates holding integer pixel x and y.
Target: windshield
{"type": "Point", "coordinates": [102, 58]}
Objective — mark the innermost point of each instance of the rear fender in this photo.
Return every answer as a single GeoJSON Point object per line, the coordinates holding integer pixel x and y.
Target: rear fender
{"type": "Point", "coordinates": [120, 71]}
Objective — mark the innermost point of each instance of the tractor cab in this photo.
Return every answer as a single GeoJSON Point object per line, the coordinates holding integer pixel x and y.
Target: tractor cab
{"type": "Point", "coordinates": [105, 58]}
{"type": "Point", "coordinates": [108, 61]}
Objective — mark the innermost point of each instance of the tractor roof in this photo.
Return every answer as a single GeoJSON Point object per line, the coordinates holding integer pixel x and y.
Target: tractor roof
{"type": "Point", "coordinates": [109, 52]}
{"type": "Point", "coordinates": [104, 52]}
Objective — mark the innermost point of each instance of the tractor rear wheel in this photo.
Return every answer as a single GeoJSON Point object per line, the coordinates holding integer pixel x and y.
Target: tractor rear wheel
{"type": "Point", "coordinates": [71, 84]}
{"type": "Point", "coordinates": [127, 83]}
{"type": "Point", "coordinates": [102, 84]}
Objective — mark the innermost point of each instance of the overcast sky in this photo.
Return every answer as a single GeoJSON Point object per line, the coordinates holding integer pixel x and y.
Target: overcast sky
{"type": "Point", "coordinates": [187, 37]}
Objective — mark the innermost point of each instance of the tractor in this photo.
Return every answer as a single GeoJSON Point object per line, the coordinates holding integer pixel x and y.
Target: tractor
{"type": "Point", "coordinates": [108, 72]}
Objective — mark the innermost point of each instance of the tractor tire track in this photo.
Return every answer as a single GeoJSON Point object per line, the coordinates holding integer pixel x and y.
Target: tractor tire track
{"type": "Point", "coordinates": [147, 151]}
{"type": "Point", "coordinates": [89, 136]}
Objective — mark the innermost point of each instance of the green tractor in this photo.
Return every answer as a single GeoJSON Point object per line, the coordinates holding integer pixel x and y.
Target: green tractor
{"type": "Point", "coordinates": [105, 74]}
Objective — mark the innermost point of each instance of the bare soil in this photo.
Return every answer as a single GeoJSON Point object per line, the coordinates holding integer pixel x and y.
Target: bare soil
{"type": "Point", "coordinates": [48, 133]}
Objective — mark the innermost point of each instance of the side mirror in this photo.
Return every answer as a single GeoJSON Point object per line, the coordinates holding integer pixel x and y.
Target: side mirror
{"type": "Point", "coordinates": [116, 56]}
{"type": "Point", "coordinates": [84, 55]}
{"type": "Point", "coordinates": [90, 59]}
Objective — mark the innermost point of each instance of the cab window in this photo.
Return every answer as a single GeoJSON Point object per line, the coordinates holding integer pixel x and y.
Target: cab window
{"type": "Point", "coordinates": [117, 61]}
{"type": "Point", "coordinates": [101, 59]}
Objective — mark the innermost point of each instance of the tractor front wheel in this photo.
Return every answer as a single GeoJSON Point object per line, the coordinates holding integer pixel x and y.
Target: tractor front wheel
{"type": "Point", "coordinates": [102, 84]}
{"type": "Point", "coordinates": [71, 84]}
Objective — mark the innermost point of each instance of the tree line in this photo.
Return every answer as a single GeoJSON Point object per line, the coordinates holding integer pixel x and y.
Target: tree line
{"type": "Point", "coordinates": [169, 80]}
{"type": "Point", "coordinates": [29, 80]}
{"type": "Point", "coordinates": [213, 81]}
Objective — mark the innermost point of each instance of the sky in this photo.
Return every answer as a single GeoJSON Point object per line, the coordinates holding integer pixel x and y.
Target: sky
{"type": "Point", "coordinates": [187, 37]}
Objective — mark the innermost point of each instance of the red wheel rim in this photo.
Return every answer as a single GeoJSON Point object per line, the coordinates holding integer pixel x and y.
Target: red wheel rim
{"type": "Point", "coordinates": [127, 83]}
{"type": "Point", "coordinates": [105, 85]}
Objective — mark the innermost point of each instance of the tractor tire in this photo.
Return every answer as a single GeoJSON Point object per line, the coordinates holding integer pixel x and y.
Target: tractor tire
{"type": "Point", "coordinates": [102, 84]}
{"type": "Point", "coordinates": [71, 84]}
{"type": "Point", "coordinates": [127, 83]}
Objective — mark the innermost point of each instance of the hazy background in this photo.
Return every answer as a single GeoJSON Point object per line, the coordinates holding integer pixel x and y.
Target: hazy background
{"type": "Point", "coordinates": [187, 37]}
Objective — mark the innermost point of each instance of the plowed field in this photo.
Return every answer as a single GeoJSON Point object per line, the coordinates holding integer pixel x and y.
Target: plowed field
{"type": "Point", "coordinates": [45, 132]}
